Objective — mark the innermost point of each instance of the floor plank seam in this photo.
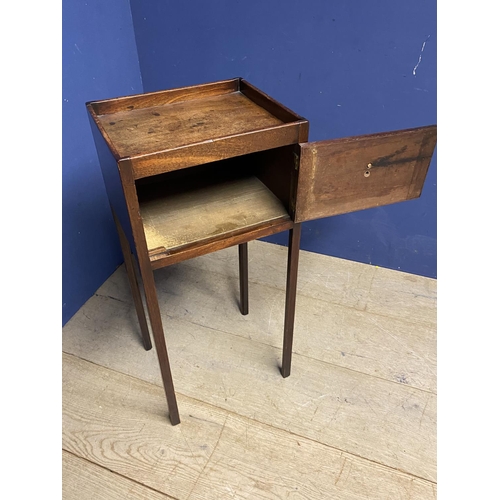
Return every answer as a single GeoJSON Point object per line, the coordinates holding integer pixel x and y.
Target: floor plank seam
{"type": "Point", "coordinates": [284, 250]}
{"type": "Point", "coordinates": [307, 438]}
{"type": "Point", "coordinates": [307, 356]}
{"type": "Point", "coordinates": [298, 353]}
{"type": "Point", "coordinates": [167, 495]}
{"type": "Point", "coordinates": [300, 293]}
{"type": "Point", "coordinates": [230, 412]}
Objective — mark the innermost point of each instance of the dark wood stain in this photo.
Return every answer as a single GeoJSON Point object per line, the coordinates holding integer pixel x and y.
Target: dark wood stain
{"type": "Point", "coordinates": [267, 178]}
{"type": "Point", "coordinates": [385, 160]}
{"type": "Point", "coordinates": [334, 177]}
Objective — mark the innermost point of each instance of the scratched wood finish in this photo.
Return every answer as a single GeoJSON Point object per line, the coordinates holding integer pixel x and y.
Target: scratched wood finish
{"type": "Point", "coordinates": [170, 126]}
{"type": "Point", "coordinates": [174, 219]}
{"type": "Point", "coordinates": [344, 175]}
{"type": "Point", "coordinates": [84, 480]}
{"type": "Point", "coordinates": [178, 128]}
{"type": "Point", "coordinates": [214, 454]}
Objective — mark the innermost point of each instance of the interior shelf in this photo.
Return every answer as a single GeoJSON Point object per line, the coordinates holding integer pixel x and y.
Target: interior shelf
{"type": "Point", "coordinates": [176, 218]}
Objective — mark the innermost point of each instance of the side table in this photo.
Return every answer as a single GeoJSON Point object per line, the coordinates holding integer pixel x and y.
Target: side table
{"type": "Point", "coordinates": [192, 170]}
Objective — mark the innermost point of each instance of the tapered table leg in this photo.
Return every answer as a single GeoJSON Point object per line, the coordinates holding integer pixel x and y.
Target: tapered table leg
{"type": "Point", "coordinates": [129, 189]}
{"type": "Point", "coordinates": [134, 286]}
{"type": "Point", "coordinates": [160, 344]}
{"type": "Point", "coordinates": [243, 261]}
{"type": "Point", "coordinates": [291, 291]}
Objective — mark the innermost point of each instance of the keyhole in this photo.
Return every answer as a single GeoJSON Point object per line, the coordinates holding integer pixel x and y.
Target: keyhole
{"type": "Point", "coordinates": [367, 173]}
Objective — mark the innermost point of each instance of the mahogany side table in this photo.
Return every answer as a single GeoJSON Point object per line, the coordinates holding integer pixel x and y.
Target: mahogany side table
{"type": "Point", "coordinates": [192, 170]}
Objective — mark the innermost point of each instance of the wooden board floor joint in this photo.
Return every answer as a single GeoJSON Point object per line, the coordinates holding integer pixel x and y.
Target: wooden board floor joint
{"type": "Point", "coordinates": [334, 429]}
{"type": "Point", "coordinates": [244, 417]}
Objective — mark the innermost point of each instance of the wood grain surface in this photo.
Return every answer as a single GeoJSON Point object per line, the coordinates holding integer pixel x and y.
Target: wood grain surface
{"type": "Point", "coordinates": [213, 210]}
{"type": "Point", "coordinates": [342, 401]}
{"type": "Point", "coordinates": [345, 175]}
{"type": "Point", "coordinates": [173, 129]}
{"type": "Point", "coordinates": [84, 480]}
{"type": "Point", "coordinates": [216, 149]}
{"type": "Point", "coordinates": [372, 289]}
{"type": "Point", "coordinates": [214, 454]}
{"type": "Point", "coordinates": [356, 419]}
{"type": "Point", "coordinates": [357, 416]}
{"type": "Point", "coordinates": [169, 126]}
{"type": "Point", "coordinates": [162, 97]}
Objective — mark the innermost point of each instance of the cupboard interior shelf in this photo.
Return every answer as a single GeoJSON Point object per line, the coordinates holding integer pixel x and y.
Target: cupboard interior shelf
{"type": "Point", "coordinates": [175, 217]}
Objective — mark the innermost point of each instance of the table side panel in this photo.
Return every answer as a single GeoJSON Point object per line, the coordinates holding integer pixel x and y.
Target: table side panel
{"type": "Point", "coordinates": [113, 183]}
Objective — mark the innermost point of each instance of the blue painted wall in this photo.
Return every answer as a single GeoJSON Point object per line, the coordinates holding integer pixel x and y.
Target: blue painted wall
{"type": "Point", "coordinates": [350, 67]}
{"type": "Point", "coordinates": [99, 61]}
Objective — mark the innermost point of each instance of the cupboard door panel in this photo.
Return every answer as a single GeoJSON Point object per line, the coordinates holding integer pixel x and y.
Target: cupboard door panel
{"type": "Point", "coordinates": [345, 175]}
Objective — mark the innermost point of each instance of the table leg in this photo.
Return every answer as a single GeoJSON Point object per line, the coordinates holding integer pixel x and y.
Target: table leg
{"type": "Point", "coordinates": [291, 291]}
{"type": "Point", "coordinates": [134, 287]}
{"type": "Point", "coordinates": [160, 344]}
{"type": "Point", "coordinates": [243, 261]}
{"type": "Point", "coordinates": [148, 281]}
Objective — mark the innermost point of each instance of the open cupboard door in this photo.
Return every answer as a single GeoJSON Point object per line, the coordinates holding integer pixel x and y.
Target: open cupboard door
{"type": "Point", "coordinates": [339, 176]}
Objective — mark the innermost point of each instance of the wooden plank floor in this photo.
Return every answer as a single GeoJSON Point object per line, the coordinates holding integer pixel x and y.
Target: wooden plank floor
{"type": "Point", "coordinates": [356, 419]}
